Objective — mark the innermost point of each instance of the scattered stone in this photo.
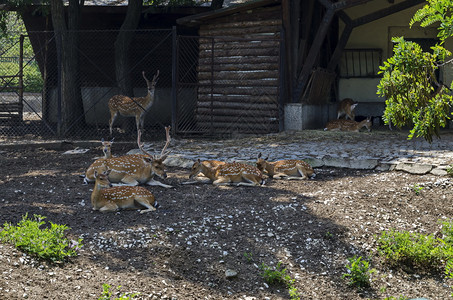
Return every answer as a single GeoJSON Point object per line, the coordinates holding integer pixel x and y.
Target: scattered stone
{"type": "Point", "coordinates": [229, 273]}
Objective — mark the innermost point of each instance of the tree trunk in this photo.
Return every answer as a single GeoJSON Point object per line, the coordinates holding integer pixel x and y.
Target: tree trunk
{"type": "Point", "coordinates": [216, 4]}
{"type": "Point", "coordinates": [123, 45]}
{"type": "Point", "coordinates": [67, 43]}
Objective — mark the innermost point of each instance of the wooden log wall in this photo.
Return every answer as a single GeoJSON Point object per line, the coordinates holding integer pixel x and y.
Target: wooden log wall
{"type": "Point", "coordinates": [238, 72]}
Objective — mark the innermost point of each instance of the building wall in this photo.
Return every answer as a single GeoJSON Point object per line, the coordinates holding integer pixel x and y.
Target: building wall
{"type": "Point", "coordinates": [378, 34]}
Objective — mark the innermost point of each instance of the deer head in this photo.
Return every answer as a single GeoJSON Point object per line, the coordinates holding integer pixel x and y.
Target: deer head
{"type": "Point", "coordinates": [157, 162]}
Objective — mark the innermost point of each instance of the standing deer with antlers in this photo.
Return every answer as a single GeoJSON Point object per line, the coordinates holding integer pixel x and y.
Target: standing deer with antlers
{"type": "Point", "coordinates": [133, 169]}
{"type": "Point", "coordinates": [133, 107]}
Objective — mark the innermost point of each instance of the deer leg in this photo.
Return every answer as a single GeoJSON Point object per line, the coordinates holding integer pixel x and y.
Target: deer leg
{"type": "Point", "coordinates": [155, 182]}
{"type": "Point", "coordinates": [127, 180]}
{"type": "Point", "coordinates": [113, 116]}
{"type": "Point", "coordinates": [222, 181]}
{"type": "Point", "coordinates": [109, 207]}
{"type": "Point", "coordinates": [146, 203]}
{"type": "Point", "coordinates": [198, 181]}
{"type": "Point", "coordinates": [249, 181]}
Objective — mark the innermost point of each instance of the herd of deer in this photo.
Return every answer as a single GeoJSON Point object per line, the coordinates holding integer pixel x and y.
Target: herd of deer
{"type": "Point", "coordinates": [117, 179]}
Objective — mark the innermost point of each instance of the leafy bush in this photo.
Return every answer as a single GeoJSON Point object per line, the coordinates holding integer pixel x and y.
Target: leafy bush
{"type": "Point", "coordinates": [278, 275]}
{"type": "Point", "coordinates": [359, 272]}
{"type": "Point", "coordinates": [48, 243]}
{"type": "Point", "coordinates": [414, 250]}
{"type": "Point", "coordinates": [107, 295]}
{"type": "Point", "coordinates": [33, 81]}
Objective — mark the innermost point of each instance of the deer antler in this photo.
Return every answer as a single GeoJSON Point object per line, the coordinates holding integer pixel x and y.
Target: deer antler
{"type": "Point", "coordinates": [140, 145]}
{"type": "Point", "coordinates": [164, 153]}
{"type": "Point", "coordinates": [167, 134]}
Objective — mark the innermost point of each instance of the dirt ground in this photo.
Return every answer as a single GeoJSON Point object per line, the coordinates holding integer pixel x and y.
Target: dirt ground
{"type": "Point", "coordinates": [183, 250]}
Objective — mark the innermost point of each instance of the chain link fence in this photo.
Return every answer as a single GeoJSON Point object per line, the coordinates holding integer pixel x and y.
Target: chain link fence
{"type": "Point", "coordinates": [228, 85]}
{"type": "Point", "coordinates": [206, 86]}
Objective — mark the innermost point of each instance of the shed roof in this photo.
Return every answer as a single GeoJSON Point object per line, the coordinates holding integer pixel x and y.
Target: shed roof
{"type": "Point", "coordinates": [195, 20]}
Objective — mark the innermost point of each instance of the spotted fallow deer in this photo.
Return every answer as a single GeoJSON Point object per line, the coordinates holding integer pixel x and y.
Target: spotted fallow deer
{"type": "Point", "coordinates": [348, 125]}
{"type": "Point", "coordinates": [346, 108]}
{"type": "Point", "coordinates": [288, 168]}
{"type": "Point", "coordinates": [106, 198]}
{"type": "Point", "coordinates": [133, 169]}
{"type": "Point", "coordinates": [133, 107]}
{"type": "Point", "coordinates": [229, 173]}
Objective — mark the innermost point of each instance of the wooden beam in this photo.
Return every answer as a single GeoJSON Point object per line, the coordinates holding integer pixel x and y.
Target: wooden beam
{"type": "Point", "coordinates": [312, 54]}
{"type": "Point", "coordinates": [351, 24]}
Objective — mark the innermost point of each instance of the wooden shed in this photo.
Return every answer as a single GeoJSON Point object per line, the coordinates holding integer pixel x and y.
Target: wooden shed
{"type": "Point", "coordinates": [238, 67]}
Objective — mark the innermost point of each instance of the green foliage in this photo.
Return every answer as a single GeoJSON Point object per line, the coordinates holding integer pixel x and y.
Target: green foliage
{"type": "Point", "coordinates": [33, 81]}
{"type": "Point", "coordinates": [417, 189]}
{"type": "Point", "coordinates": [48, 243]}
{"type": "Point", "coordinates": [450, 170]}
{"type": "Point", "coordinates": [433, 12]}
{"type": "Point", "coordinates": [278, 275]}
{"type": "Point", "coordinates": [359, 272]}
{"type": "Point", "coordinates": [248, 256]}
{"type": "Point", "coordinates": [107, 295]}
{"type": "Point", "coordinates": [413, 95]}
{"type": "Point", "coordinates": [395, 298]}
{"type": "Point", "coordinates": [414, 250]}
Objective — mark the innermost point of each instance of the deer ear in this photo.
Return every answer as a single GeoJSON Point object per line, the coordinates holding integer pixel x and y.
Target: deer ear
{"type": "Point", "coordinates": [96, 174]}
{"type": "Point", "coordinates": [259, 155]}
{"type": "Point", "coordinates": [148, 159]}
{"type": "Point", "coordinates": [107, 172]}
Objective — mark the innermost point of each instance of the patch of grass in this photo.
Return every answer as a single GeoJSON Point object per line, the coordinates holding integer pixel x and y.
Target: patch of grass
{"type": "Point", "coordinates": [414, 250]}
{"type": "Point", "coordinates": [46, 243]}
{"type": "Point", "coordinates": [107, 294]}
{"type": "Point", "coordinates": [279, 275]}
{"type": "Point", "coordinates": [359, 272]}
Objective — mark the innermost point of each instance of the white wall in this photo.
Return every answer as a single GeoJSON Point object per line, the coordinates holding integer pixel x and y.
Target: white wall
{"type": "Point", "coordinates": [378, 34]}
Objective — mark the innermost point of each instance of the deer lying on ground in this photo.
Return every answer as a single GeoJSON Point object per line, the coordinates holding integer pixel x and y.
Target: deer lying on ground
{"type": "Point", "coordinates": [133, 169]}
{"type": "Point", "coordinates": [107, 150]}
{"type": "Point", "coordinates": [106, 198]}
{"type": "Point", "coordinates": [348, 125]}
{"type": "Point", "coordinates": [229, 173]}
{"type": "Point", "coordinates": [288, 168]}
{"type": "Point", "coordinates": [209, 164]}
{"type": "Point", "coordinates": [346, 108]}
{"type": "Point", "coordinates": [133, 107]}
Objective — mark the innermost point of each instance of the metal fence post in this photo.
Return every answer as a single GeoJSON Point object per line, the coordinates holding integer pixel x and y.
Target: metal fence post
{"type": "Point", "coordinates": [174, 78]}
{"type": "Point", "coordinates": [58, 41]}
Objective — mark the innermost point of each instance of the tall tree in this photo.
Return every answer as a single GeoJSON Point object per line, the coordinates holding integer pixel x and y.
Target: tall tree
{"type": "Point", "coordinates": [414, 96]}
{"type": "Point", "coordinates": [67, 36]}
{"type": "Point", "coordinates": [123, 46]}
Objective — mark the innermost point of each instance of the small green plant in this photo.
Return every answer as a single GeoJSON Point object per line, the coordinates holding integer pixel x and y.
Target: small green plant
{"type": "Point", "coordinates": [395, 298]}
{"type": "Point", "coordinates": [248, 256]}
{"type": "Point", "coordinates": [107, 294]}
{"type": "Point", "coordinates": [450, 170]}
{"type": "Point", "coordinates": [417, 189]}
{"type": "Point", "coordinates": [278, 275]}
{"type": "Point", "coordinates": [359, 272]}
{"type": "Point", "coordinates": [48, 243]}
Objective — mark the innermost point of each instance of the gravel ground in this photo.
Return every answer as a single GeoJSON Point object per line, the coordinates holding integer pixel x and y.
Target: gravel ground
{"type": "Point", "coordinates": [203, 234]}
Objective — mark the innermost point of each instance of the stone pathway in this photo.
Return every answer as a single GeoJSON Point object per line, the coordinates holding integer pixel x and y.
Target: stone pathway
{"type": "Point", "coordinates": [382, 150]}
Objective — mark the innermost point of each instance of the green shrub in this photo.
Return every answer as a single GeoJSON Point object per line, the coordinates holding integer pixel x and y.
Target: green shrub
{"type": "Point", "coordinates": [278, 275]}
{"type": "Point", "coordinates": [359, 272]}
{"type": "Point", "coordinates": [48, 243]}
{"type": "Point", "coordinates": [33, 81]}
{"type": "Point", "coordinates": [107, 295]}
{"type": "Point", "coordinates": [414, 250]}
